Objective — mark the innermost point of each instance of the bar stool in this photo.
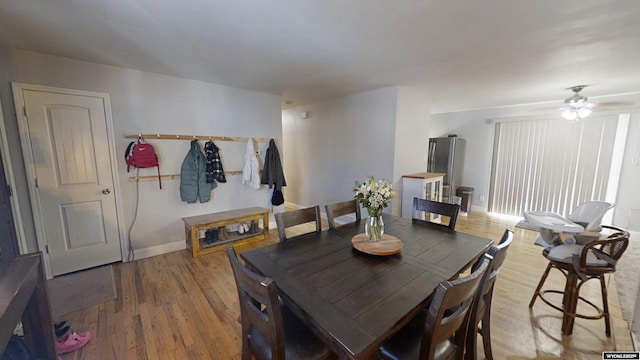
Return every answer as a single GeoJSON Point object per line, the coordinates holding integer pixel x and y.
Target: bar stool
{"type": "Point", "coordinates": [586, 262]}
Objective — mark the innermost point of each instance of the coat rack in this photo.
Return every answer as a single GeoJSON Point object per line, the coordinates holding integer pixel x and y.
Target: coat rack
{"type": "Point", "coordinates": [192, 137]}
{"type": "Point", "coordinates": [187, 137]}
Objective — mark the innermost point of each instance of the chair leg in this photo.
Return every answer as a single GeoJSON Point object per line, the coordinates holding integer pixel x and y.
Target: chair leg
{"type": "Point", "coordinates": [542, 280]}
{"type": "Point", "coordinates": [471, 343]}
{"type": "Point", "coordinates": [605, 306]}
{"type": "Point", "coordinates": [486, 334]}
{"type": "Point", "coordinates": [246, 352]}
{"type": "Point", "coordinates": [570, 301]}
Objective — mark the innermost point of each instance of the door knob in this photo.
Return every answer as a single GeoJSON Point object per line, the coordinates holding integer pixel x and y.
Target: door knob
{"type": "Point", "coordinates": [106, 191]}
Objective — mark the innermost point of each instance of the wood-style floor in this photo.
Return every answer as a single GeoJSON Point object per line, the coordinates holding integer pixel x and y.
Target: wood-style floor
{"type": "Point", "coordinates": [174, 307]}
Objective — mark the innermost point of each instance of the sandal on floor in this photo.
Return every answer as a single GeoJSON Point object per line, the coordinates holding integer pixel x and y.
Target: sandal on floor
{"type": "Point", "coordinates": [72, 342]}
{"type": "Point", "coordinates": [62, 331]}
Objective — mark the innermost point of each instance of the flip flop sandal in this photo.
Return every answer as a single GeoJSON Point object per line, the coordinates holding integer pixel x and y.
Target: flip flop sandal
{"type": "Point", "coordinates": [62, 331]}
{"type": "Point", "coordinates": [72, 342]}
{"type": "Point", "coordinates": [60, 325]}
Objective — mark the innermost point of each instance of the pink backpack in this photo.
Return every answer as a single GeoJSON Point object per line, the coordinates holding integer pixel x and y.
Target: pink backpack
{"type": "Point", "coordinates": [141, 154]}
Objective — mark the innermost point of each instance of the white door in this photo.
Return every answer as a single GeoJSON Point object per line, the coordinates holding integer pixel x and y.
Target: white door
{"type": "Point", "coordinates": [74, 201]}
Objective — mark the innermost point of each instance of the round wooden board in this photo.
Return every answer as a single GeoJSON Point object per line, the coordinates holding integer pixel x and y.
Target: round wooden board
{"type": "Point", "coordinates": [389, 245]}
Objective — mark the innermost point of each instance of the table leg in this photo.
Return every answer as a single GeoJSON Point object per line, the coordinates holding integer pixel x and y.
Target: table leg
{"type": "Point", "coordinates": [36, 321]}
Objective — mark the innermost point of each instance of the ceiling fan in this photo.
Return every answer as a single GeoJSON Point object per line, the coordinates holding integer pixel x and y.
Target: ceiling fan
{"type": "Point", "coordinates": [577, 106]}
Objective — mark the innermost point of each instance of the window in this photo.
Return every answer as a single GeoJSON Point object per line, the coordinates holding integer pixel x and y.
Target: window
{"type": "Point", "coordinates": [554, 165]}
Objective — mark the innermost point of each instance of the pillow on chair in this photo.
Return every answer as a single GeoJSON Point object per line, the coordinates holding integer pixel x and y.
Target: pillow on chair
{"type": "Point", "coordinates": [564, 253]}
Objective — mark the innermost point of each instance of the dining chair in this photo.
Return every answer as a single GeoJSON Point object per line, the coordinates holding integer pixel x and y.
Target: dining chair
{"type": "Point", "coordinates": [436, 207]}
{"type": "Point", "coordinates": [579, 264]}
{"type": "Point", "coordinates": [439, 331]}
{"type": "Point", "coordinates": [340, 209]}
{"type": "Point", "coordinates": [297, 217]}
{"type": "Point", "coordinates": [480, 318]}
{"type": "Point", "coordinates": [269, 329]}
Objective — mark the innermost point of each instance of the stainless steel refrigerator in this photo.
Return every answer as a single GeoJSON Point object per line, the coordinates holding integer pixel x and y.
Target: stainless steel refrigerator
{"type": "Point", "coordinates": [446, 155]}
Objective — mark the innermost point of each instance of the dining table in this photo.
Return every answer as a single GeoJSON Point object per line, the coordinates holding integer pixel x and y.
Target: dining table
{"type": "Point", "coordinates": [353, 300]}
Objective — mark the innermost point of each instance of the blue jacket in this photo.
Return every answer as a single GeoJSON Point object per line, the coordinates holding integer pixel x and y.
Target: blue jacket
{"type": "Point", "coordinates": [193, 181]}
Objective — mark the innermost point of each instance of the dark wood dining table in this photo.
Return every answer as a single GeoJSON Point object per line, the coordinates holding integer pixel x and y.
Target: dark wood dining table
{"type": "Point", "coordinates": [354, 301]}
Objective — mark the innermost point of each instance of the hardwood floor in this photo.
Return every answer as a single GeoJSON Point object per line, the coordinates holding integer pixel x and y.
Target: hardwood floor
{"type": "Point", "coordinates": [174, 307]}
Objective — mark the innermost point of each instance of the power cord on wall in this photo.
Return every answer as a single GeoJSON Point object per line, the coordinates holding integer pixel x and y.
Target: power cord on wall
{"type": "Point", "coordinates": [131, 255]}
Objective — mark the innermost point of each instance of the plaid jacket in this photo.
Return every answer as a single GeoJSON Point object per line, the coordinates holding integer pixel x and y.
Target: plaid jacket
{"type": "Point", "coordinates": [214, 169]}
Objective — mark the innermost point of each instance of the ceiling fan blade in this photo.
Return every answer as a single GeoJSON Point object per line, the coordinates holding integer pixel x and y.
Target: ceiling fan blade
{"type": "Point", "coordinates": [614, 104]}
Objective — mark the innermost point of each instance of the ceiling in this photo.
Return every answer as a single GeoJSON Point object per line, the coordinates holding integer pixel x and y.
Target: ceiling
{"type": "Point", "coordinates": [467, 54]}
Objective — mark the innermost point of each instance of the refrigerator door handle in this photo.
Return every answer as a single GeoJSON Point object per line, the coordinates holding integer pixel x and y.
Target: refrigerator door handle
{"type": "Point", "coordinates": [432, 157]}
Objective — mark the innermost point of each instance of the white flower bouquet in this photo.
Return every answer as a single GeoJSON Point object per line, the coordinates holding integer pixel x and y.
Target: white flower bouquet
{"type": "Point", "coordinates": [374, 195]}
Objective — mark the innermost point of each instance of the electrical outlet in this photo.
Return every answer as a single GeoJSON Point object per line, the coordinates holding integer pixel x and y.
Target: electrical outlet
{"type": "Point", "coordinates": [481, 198]}
{"type": "Point", "coordinates": [424, 157]}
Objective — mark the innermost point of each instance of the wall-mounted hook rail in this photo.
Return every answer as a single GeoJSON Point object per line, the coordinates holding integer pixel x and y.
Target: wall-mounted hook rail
{"type": "Point", "coordinates": [193, 137]}
{"type": "Point", "coordinates": [175, 176]}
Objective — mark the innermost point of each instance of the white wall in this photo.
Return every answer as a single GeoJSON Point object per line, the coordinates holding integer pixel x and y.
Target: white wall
{"type": "Point", "coordinates": [381, 133]}
{"type": "Point", "coordinates": [475, 127]}
{"type": "Point", "coordinates": [412, 137]}
{"type": "Point", "coordinates": [627, 210]}
{"type": "Point", "coordinates": [151, 103]}
{"type": "Point", "coordinates": [342, 140]}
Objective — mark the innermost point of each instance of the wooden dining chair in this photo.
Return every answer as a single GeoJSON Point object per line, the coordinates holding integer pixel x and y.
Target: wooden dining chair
{"type": "Point", "coordinates": [439, 331]}
{"type": "Point", "coordinates": [288, 219]}
{"type": "Point", "coordinates": [269, 329]}
{"type": "Point", "coordinates": [436, 207]}
{"type": "Point", "coordinates": [480, 318]}
{"type": "Point", "coordinates": [579, 264]}
{"type": "Point", "coordinates": [340, 209]}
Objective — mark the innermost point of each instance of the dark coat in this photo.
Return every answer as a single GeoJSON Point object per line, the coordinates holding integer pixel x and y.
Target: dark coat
{"type": "Point", "coordinates": [272, 173]}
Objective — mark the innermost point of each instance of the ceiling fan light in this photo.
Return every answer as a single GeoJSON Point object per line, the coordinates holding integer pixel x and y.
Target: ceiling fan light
{"type": "Point", "coordinates": [569, 114]}
{"type": "Point", "coordinates": [584, 112]}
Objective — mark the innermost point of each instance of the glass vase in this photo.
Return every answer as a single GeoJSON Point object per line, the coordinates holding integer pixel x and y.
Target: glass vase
{"type": "Point", "coordinates": [374, 228]}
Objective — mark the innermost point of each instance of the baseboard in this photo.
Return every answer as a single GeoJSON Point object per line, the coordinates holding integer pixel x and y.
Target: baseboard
{"type": "Point", "coordinates": [481, 209]}
{"type": "Point", "coordinates": [159, 249]}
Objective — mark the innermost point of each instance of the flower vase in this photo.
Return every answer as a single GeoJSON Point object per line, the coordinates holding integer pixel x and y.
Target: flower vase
{"type": "Point", "coordinates": [374, 228]}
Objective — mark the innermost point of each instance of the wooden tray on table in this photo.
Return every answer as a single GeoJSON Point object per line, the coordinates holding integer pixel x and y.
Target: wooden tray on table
{"type": "Point", "coordinates": [388, 245]}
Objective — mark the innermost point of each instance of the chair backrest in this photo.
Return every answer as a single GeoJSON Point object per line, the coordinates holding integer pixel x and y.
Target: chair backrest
{"type": "Point", "coordinates": [297, 217]}
{"type": "Point", "coordinates": [589, 214]}
{"type": "Point", "coordinates": [260, 310]}
{"type": "Point", "coordinates": [608, 251]}
{"type": "Point", "coordinates": [436, 207]}
{"type": "Point", "coordinates": [340, 209]}
{"type": "Point", "coordinates": [448, 314]}
{"type": "Point", "coordinates": [496, 255]}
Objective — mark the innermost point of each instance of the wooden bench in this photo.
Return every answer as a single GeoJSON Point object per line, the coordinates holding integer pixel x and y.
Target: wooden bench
{"type": "Point", "coordinates": [195, 226]}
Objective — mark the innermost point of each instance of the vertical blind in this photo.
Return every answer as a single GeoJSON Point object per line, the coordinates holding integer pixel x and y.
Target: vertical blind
{"type": "Point", "coordinates": [550, 164]}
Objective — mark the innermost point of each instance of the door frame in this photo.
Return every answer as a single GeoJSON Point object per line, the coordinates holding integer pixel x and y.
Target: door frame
{"type": "Point", "coordinates": [10, 178]}
{"type": "Point", "coordinates": [25, 141]}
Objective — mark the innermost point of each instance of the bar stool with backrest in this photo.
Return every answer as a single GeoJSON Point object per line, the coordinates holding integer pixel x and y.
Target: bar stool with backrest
{"type": "Point", "coordinates": [297, 217]}
{"type": "Point", "coordinates": [340, 209]}
{"type": "Point", "coordinates": [436, 207]}
{"type": "Point", "coordinates": [439, 331]}
{"type": "Point", "coordinates": [269, 329]}
{"type": "Point", "coordinates": [585, 262]}
{"type": "Point", "coordinates": [481, 308]}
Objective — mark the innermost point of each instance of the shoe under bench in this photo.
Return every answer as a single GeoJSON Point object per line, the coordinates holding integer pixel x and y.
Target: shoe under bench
{"type": "Point", "coordinates": [195, 226]}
